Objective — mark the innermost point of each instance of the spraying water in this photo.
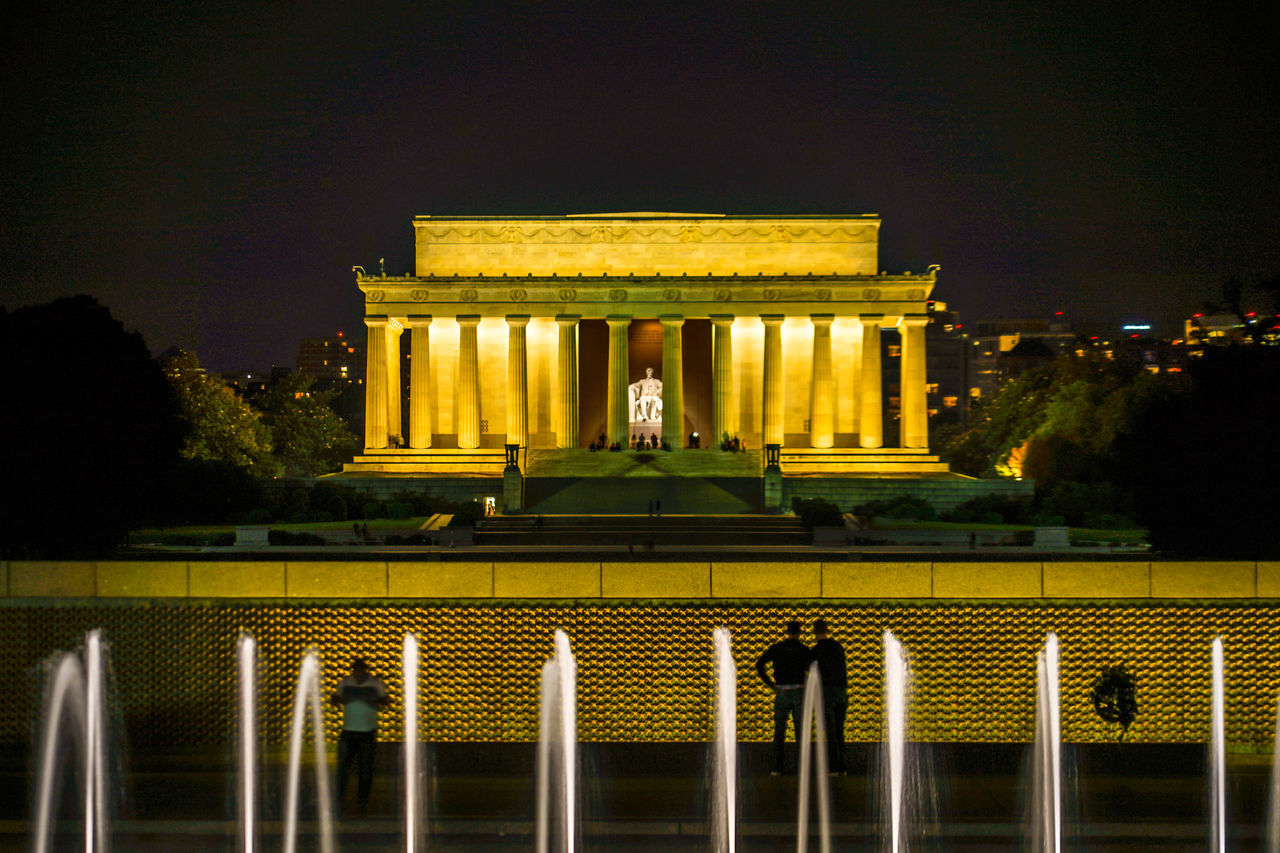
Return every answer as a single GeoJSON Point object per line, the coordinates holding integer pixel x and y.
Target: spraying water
{"type": "Point", "coordinates": [308, 694]}
{"type": "Point", "coordinates": [246, 753]}
{"type": "Point", "coordinates": [412, 807]}
{"type": "Point", "coordinates": [897, 682]}
{"type": "Point", "coordinates": [1217, 755]}
{"type": "Point", "coordinates": [813, 708]}
{"type": "Point", "coordinates": [726, 743]}
{"type": "Point", "coordinates": [77, 690]}
{"type": "Point", "coordinates": [559, 729]}
{"type": "Point", "coordinates": [1273, 805]}
{"type": "Point", "coordinates": [1047, 781]}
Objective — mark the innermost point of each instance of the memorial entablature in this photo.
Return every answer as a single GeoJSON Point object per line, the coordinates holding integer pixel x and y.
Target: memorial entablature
{"type": "Point", "coordinates": [681, 329]}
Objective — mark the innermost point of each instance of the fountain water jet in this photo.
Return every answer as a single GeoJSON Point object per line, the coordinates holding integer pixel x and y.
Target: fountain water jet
{"type": "Point", "coordinates": [725, 809]}
{"type": "Point", "coordinates": [558, 727]}
{"type": "Point", "coordinates": [412, 788]}
{"type": "Point", "coordinates": [80, 691]}
{"type": "Point", "coordinates": [813, 709]}
{"type": "Point", "coordinates": [1273, 800]}
{"type": "Point", "coordinates": [247, 755]}
{"type": "Point", "coordinates": [897, 682]}
{"type": "Point", "coordinates": [1217, 755]}
{"type": "Point", "coordinates": [308, 694]}
{"type": "Point", "coordinates": [1047, 760]}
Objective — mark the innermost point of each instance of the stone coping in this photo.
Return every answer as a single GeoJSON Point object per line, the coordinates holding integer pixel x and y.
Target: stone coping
{"type": "Point", "coordinates": [604, 580]}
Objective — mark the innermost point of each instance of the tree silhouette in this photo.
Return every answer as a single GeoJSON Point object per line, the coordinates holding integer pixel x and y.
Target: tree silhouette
{"type": "Point", "coordinates": [90, 426]}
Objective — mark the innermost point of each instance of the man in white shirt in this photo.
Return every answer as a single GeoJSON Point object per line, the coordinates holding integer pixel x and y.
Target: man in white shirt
{"type": "Point", "coordinates": [361, 695]}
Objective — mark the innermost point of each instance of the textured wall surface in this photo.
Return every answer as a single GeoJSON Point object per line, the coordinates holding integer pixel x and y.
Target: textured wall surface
{"type": "Point", "coordinates": [645, 668]}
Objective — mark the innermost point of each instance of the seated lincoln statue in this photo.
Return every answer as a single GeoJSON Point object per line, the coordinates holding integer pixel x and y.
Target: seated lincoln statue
{"type": "Point", "coordinates": [646, 398]}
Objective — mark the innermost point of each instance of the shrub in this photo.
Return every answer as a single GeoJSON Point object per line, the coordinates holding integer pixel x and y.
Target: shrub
{"type": "Point", "coordinates": [373, 509]}
{"type": "Point", "coordinates": [903, 506]}
{"type": "Point", "coordinates": [816, 512]}
{"type": "Point", "coordinates": [467, 515]}
{"type": "Point", "coordinates": [288, 537]}
{"type": "Point", "coordinates": [1084, 504]}
{"type": "Point", "coordinates": [257, 515]}
{"type": "Point", "coordinates": [1009, 510]}
{"type": "Point", "coordinates": [400, 509]}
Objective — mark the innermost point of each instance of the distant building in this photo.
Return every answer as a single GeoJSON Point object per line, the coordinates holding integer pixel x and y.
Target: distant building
{"type": "Point", "coordinates": [334, 359]}
{"type": "Point", "coordinates": [337, 363]}
{"type": "Point", "coordinates": [990, 342]}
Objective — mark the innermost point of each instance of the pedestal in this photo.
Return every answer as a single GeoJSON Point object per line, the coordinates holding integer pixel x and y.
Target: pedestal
{"type": "Point", "coordinates": [772, 478]}
{"type": "Point", "coordinates": [512, 482]}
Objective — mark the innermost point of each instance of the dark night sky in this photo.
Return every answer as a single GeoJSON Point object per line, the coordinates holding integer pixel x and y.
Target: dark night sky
{"type": "Point", "coordinates": [211, 171]}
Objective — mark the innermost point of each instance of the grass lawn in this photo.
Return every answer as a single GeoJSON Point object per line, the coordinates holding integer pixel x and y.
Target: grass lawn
{"type": "Point", "coordinates": [198, 534]}
{"type": "Point", "coordinates": [1077, 534]}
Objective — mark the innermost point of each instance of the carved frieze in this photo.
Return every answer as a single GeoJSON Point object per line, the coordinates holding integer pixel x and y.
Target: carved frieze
{"type": "Point", "coordinates": [519, 294]}
{"type": "Point", "coordinates": [706, 231]}
{"type": "Point", "coordinates": [376, 296]}
{"type": "Point", "coordinates": [418, 294]}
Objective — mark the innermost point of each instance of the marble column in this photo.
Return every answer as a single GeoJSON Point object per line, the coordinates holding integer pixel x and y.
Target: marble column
{"type": "Point", "coordinates": [468, 383]}
{"type": "Point", "coordinates": [420, 424]}
{"type": "Point", "coordinates": [871, 414]}
{"type": "Point", "coordinates": [375, 384]}
{"type": "Point", "coordinates": [672, 381]}
{"type": "Point", "coordinates": [517, 380]}
{"type": "Point", "coordinates": [618, 423]}
{"type": "Point", "coordinates": [773, 424]}
{"type": "Point", "coordinates": [723, 416]}
{"type": "Point", "coordinates": [566, 411]}
{"type": "Point", "coordinates": [822, 386]}
{"type": "Point", "coordinates": [395, 390]}
{"type": "Point", "coordinates": [912, 397]}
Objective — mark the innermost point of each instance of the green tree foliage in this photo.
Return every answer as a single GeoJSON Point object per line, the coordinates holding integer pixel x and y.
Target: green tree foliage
{"type": "Point", "coordinates": [1059, 425]}
{"type": "Point", "coordinates": [308, 436]}
{"type": "Point", "coordinates": [221, 427]}
{"type": "Point", "coordinates": [1062, 418]}
{"type": "Point", "coordinates": [91, 428]}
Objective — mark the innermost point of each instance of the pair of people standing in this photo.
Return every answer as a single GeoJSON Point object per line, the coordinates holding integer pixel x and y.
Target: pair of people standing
{"type": "Point", "coordinates": [791, 659]}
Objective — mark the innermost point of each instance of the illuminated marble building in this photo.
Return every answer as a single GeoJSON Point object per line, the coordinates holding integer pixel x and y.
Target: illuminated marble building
{"type": "Point", "coordinates": [527, 340]}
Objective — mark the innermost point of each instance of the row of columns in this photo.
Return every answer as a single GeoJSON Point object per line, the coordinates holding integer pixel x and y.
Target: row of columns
{"type": "Point", "coordinates": [383, 375]}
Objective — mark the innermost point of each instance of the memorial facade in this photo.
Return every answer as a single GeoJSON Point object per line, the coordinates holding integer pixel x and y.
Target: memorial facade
{"type": "Point", "coordinates": [561, 332]}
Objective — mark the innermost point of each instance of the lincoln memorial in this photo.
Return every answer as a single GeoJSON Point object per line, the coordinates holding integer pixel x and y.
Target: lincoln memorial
{"type": "Point", "coordinates": [556, 335]}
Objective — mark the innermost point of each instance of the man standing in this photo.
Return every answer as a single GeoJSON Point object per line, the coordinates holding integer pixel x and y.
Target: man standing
{"type": "Point", "coordinates": [835, 691]}
{"type": "Point", "coordinates": [361, 695]}
{"type": "Point", "coordinates": [790, 659]}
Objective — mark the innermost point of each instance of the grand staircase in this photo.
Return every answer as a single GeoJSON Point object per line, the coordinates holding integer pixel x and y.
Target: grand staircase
{"type": "Point", "coordinates": [642, 530]}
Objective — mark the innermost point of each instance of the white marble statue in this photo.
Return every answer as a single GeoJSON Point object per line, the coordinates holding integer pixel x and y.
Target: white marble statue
{"type": "Point", "coordinates": [646, 398]}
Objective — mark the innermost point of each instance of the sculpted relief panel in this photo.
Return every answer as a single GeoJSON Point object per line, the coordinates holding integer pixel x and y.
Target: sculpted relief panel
{"type": "Point", "coordinates": [647, 246]}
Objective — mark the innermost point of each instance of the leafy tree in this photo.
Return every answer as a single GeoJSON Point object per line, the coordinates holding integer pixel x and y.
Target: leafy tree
{"type": "Point", "coordinates": [1076, 404]}
{"type": "Point", "coordinates": [91, 428]}
{"type": "Point", "coordinates": [308, 436]}
{"type": "Point", "coordinates": [222, 427]}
